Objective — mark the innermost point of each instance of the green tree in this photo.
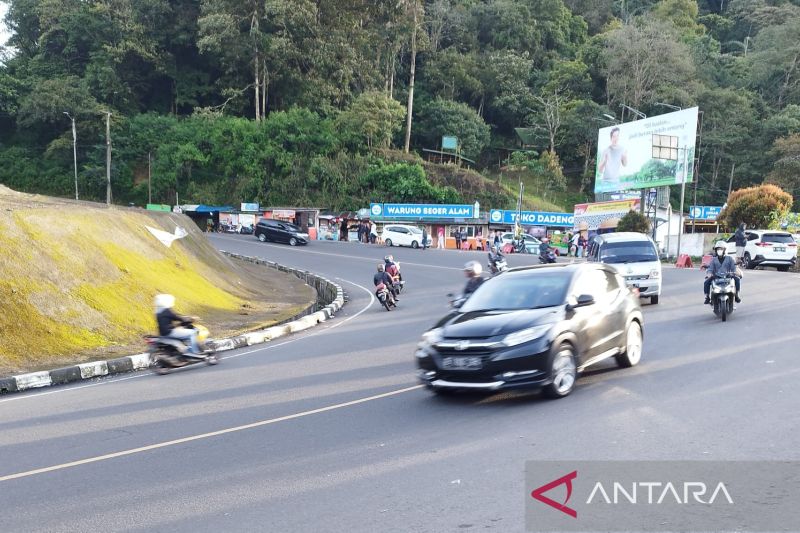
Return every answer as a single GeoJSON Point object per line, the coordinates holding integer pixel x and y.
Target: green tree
{"type": "Point", "coordinates": [634, 221]}
{"type": "Point", "coordinates": [373, 117]}
{"type": "Point", "coordinates": [786, 169]}
{"type": "Point", "coordinates": [445, 118]}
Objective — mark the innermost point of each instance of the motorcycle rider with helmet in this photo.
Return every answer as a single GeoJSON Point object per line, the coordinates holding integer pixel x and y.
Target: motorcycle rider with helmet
{"type": "Point", "coordinates": [721, 264]}
{"type": "Point", "coordinates": [472, 270]}
{"type": "Point", "coordinates": [172, 325]}
{"type": "Point", "coordinates": [381, 276]}
{"type": "Point", "coordinates": [545, 250]}
{"type": "Point", "coordinates": [494, 256]}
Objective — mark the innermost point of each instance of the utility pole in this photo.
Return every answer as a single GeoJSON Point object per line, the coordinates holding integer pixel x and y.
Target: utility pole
{"type": "Point", "coordinates": [108, 157]}
{"type": "Point", "coordinates": [730, 182]}
{"type": "Point", "coordinates": [683, 193]}
{"type": "Point", "coordinates": [696, 176]}
{"type": "Point", "coordinates": [149, 181]}
{"type": "Point", "coordinates": [74, 151]}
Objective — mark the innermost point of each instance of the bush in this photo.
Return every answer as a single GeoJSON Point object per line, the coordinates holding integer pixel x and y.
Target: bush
{"type": "Point", "coordinates": [445, 117]}
{"type": "Point", "coordinates": [634, 221]}
{"type": "Point", "coordinates": [764, 206]}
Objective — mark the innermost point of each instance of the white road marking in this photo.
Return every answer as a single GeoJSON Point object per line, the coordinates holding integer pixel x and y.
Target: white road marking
{"type": "Point", "coordinates": [318, 331]}
{"type": "Point", "coordinates": [202, 436]}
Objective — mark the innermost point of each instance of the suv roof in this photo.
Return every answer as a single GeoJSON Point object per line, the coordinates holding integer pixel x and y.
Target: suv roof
{"type": "Point", "coordinates": [763, 231]}
{"type": "Point", "coordinates": [624, 236]}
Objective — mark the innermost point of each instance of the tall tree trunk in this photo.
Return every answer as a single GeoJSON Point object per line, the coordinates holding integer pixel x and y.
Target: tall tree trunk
{"type": "Point", "coordinates": [264, 89]}
{"type": "Point", "coordinates": [258, 86]}
{"type": "Point", "coordinates": [391, 76]}
{"type": "Point", "coordinates": [410, 108]}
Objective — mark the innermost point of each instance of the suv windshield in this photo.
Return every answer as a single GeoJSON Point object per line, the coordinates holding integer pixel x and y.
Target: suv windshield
{"type": "Point", "coordinates": [415, 230]}
{"type": "Point", "coordinates": [292, 227]}
{"type": "Point", "coordinates": [783, 238]}
{"type": "Point", "coordinates": [511, 293]}
{"type": "Point", "coordinates": [628, 252]}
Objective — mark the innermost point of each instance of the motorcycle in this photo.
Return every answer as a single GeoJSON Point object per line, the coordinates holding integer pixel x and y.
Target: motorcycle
{"type": "Point", "coordinates": [547, 258]}
{"type": "Point", "coordinates": [723, 292]}
{"type": "Point", "coordinates": [520, 247]}
{"type": "Point", "coordinates": [385, 297]}
{"type": "Point", "coordinates": [397, 279]}
{"type": "Point", "coordinates": [456, 300]}
{"type": "Point", "coordinates": [498, 266]}
{"type": "Point", "coordinates": [167, 354]}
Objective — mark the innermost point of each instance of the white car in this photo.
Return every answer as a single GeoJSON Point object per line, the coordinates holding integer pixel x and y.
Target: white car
{"type": "Point", "coordinates": [635, 256]}
{"type": "Point", "coordinates": [403, 235]}
{"type": "Point", "coordinates": [767, 248]}
{"type": "Point", "coordinates": [531, 242]}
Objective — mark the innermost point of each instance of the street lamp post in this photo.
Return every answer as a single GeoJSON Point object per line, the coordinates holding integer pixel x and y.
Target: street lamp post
{"type": "Point", "coordinates": [74, 151]}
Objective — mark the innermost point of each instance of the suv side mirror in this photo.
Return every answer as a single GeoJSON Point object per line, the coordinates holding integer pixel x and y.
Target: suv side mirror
{"type": "Point", "coordinates": [581, 301]}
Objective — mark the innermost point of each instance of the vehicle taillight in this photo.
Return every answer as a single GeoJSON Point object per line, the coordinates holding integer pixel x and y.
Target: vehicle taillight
{"type": "Point", "coordinates": [764, 244]}
{"type": "Point", "coordinates": [792, 245]}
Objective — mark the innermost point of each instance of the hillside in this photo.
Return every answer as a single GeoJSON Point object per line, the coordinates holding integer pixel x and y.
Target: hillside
{"type": "Point", "coordinates": [77, 280]}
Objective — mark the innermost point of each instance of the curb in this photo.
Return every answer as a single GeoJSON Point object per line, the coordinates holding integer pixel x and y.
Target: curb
{"type": "Point", "coordinates": [328, 293]}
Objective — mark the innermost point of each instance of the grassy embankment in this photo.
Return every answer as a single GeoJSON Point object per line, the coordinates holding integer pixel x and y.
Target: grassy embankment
{"type": "Point", "coordinates": [77, 281]}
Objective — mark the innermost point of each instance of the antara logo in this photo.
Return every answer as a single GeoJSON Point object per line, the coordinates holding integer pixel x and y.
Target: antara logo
{"type": "Point", "coordinates": [538, 494]}
{"type": "Point", "coordinates": [648, 493]}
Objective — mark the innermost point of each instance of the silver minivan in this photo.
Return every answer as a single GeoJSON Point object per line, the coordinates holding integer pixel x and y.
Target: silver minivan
{"type": "Point", "coordinates": [635, 256]}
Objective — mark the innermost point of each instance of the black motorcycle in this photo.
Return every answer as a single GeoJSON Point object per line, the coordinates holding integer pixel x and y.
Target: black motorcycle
{"type": "Point", "coordinates": [385, 297]}
{"type": "Point", "coordinates": [547, 257]}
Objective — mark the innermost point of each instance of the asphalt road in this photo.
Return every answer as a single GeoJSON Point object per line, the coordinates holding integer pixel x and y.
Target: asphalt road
{"type": "Point", "coordinates": [327, 430]}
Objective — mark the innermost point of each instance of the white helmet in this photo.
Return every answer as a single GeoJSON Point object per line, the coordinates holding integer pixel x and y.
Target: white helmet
{"type": "Point", "coordinates": [474, 268]}
{"type": "Point", "coordinates": [164, 301]}
{"type": "Point", "coordinates": [721, 244]}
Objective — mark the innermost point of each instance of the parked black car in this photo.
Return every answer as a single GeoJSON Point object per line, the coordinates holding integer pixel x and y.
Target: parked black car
{"type": "Point", "coordinates": [277, 231]}
{"type": "Point", "coordinates": [534, 327]}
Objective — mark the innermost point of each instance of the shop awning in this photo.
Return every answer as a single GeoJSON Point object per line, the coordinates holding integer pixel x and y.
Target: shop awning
{"type": "Point", "coordinates": [214, 209]}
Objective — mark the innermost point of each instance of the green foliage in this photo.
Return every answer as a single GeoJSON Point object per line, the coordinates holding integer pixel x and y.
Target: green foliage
{"type": "Point", "coordinates": [324, 78]}
{"type": "Point", "coordinates": [403, 182]}
{"type": "Point", "coordinates": [762, 207]}
{"type": "Point", "coordinates": [373, 117]}
{"type": "Point", "coordinates": [445, 117]}
{"type": "Point", "coordinates": [634, 221]}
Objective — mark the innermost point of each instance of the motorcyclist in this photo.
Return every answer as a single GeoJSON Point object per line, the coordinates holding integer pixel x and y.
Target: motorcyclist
{"type": "Point", "coordinates": [171, 324]}
{"type": "Point", "coordinates": [721, 264]}
{"type": "Point", "coordinates": [381, 276]}
{"type": "Point", "coordinates": [392, 268]}
{"type": "Point", "coordinates": [494, 256]}
{"type": "Point", "coordinates": [472, 270]}
{"type": "Point", "coordinates": [545, 249]}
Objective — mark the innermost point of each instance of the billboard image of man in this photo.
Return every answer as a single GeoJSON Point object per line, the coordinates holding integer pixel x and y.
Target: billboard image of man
{"type": "Point", "coordinates": [611, 162]}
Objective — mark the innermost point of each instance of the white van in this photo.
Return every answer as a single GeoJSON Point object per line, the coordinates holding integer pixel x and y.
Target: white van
{"type": "Point", "coordinates": [635, 256]}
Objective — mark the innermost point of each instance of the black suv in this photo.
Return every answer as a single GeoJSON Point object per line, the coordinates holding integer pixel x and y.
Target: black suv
{"type": "Point", "coordinates": [277, 231]}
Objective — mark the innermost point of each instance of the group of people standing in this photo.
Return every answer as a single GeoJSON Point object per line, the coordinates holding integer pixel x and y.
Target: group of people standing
{"type": "Point", "coordinates": [577, 245]}
{"type": "Point", "coordinates": [367, 232]}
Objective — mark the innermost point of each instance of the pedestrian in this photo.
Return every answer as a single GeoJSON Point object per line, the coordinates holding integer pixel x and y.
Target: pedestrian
{"type": "Point", "coordinates": [741, 242]}
{"type": "Point", "coordinates": [373, 233]}
{"type": "Point", "coordinates": [343, 230]}
{"type": "Point", "coordinates": [581, 244]}
{"type": "Point", "coordinates": [440, 240]}
{"type": "Point", "coordinates": [457, 236]}
{"type": "Point", "coordinates": [573, 244]}
{"type": "Point", "coordinates": [424, 238]}
{"type": "Point", "coordinates": [498, 240]}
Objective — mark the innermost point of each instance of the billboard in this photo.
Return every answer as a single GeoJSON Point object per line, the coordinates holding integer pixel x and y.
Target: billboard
{"type": "Point", "coordinates": [627, 159]}
{"type": "Point", "coordinates": [600, 215]}
{"type": "Point", "coordinates": [705, 212]}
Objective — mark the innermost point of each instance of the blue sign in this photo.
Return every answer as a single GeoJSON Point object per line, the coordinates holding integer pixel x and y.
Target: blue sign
{"type": "Point", "coordinates": [395, 211]}
{"type": "Point", "coordinates": [249, 207]}
{"type": "Point", "coordinates": [532, 218]}
{"type": "Point", "coordinates": [704, 212]}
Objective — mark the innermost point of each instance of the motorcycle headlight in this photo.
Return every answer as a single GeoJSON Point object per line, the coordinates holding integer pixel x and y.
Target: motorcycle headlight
{"type": "Point", "coordinates": [524, 335]}
{"type": "Point", "coordinates": [655, 274]}
{"type": "Point", "coordinates": [432, 336]}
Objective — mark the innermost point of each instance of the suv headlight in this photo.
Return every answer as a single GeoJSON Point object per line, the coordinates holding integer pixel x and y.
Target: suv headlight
{"type": "Point", "coordinates": [432, 336]}
{"type": "Point", "coordinates": [524, 335]}
{"type": "Point", "coordinates": [655, 274]}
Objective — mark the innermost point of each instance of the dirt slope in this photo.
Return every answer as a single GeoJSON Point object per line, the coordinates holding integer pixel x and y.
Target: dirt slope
{"type": "Point", "coordinates": [77, 281]}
